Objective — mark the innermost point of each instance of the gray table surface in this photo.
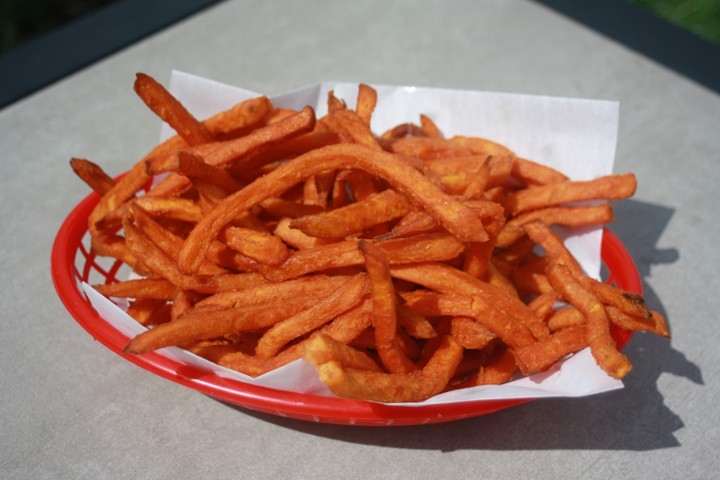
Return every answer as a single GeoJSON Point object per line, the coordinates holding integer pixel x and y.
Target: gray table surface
{"type": "Point", "coordinates": [73, 409]}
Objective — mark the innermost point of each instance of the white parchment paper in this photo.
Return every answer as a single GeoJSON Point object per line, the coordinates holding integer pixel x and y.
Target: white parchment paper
{"type": "Point", "coordinates": [576, 136]}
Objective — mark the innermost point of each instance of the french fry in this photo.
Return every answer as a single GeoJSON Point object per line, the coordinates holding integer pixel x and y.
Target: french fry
{"type": "Point", "coordinates": [566, 216]}
{"type": "Point", "coordinates": [508, 329]}
{"type": "Point", "coordinates": [429, 128]}
{"type": "Point", "coordinates": [384, 309]}
{"type": "Point", "coordinates": [533, 173]}
{"type": "Point", "coordinates": [149, 311]}
{"type": "Point", "coordinates": [212, 322]}
{"type": "Point", "coordinates": [610, 187]}
{"type": "Point", "coordinates": [170, 110]}
{"type": "Point", "coordinates": [498, 303]}
{"type": "Point", "coordinates": [366, 102]}
{"type": "Point", "coordinates": [394, 387]}
{"type": "Point", "coordinates": [597, 327]}
{"type": "Point", "coordinates": [470, 333]}
{"type": "Point", "coordinates": [356, 217]}
{"type": "Point", "coordinates": [539, 356]}
{"type": "Point", "coordinates": [264, 247]}
{"type": "Point", "coordinates": [93, 175]}
{"type": "Point", "coordinates": [322, 348]}
{"type": "Point", "coordinates": [339, 301]}
{"type": "Point", "coordinates": [239, 120]}
{"type": "Point", "coordinates": [148, 288]}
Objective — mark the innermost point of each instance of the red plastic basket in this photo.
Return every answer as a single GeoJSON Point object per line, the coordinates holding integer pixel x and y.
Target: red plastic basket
{"type": "Point", "coordinates": [72, 262]}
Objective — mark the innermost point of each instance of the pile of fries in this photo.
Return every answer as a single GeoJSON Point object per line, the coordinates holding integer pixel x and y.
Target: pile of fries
{"type": "Point", "coordinates": [400, 265]}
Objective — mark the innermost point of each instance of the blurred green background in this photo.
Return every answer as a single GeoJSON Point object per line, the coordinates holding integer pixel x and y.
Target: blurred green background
{"type": "Point", "coordinates": [23, 20]}
{"type": "Point", "coordinates": [702, 17]}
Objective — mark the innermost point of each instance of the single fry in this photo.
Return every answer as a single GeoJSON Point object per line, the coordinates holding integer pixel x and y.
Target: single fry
{"type": "Point", "coordinates": [339, 301]}
{"type": "Point", "coordinates": [356, 217]}
{"type": "Point", "coordinates": [539, 356]}
{"type": "Point", "coordinates": [322, 348]}
{"type": "Point", "coordinates": [394, 387]}
{"type": "Point", "coordinates": [152, 289]}
{"type": "Point", "coordinates": [384, 309]}
{"type": "Point", "coordinates": [597, 327]}
{"type": "Point", "coordinates": [213, 322]}
{"type": "Point", "coordinates": [366, 102]}
{"type": "Point", "coordinates": [264, 247]}
{"type": "Point", "coordinates": [171, 110]}
{"type": "Point", "coordinates": [533, 173]}
{"type": "Point", "coordinates": [93, 175]}
{"type": "Point", "coordinates": [610, 187]}
{"type": "Point", "coordinates": [566, 216]}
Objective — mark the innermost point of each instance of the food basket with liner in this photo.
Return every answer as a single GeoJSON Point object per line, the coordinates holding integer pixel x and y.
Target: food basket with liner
{"type": "Point", "coordinates": [72, 263]}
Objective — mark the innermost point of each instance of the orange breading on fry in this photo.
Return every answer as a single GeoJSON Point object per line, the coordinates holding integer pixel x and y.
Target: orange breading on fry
{"type": "Point", "coordinates": [167, 107]}
{"type": "Point", "coordinates": [321, 348]}
{"type": "Point", "coordinates": [597, 324]}
{"type": "Point", "coordinates": [92, 174]}
{"type": "Point", "coordinates": [394, 387]}
{"type": "Point", "coordinates": [609, 187]}
{"type": "Point", "coordinates": [566, 216]}
{"type": "Point", "coordinates": [356, 217]}
{"type": "Point", "coordinates": [384, 309]}
{"type": "Point", "coordinates": [339, 301]}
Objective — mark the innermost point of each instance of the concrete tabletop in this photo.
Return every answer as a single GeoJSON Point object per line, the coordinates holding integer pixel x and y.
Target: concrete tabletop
{"type": "Point", "coordinates": [73, 409]}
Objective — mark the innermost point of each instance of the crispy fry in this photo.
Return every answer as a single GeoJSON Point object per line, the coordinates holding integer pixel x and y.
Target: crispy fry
{"type": "Point", "coordinates": [500, 370]}
{"type": "Point", "coordinates": [566, 216]}
{"type": "Point", "coordinates": [470, 333]}
{"type": "Point", "coordinates": [533, 173]}
{"type": "Point", "coordinates": [610, 187]}
{"type": "Point", "coordinates": [148, 288]}
{"type": "Point", "coordinates": [539, 356]}
{"type": "Point", "coordinates": [508, 329]}
{"type": "Point", "coordinates": [497, 302]}
{"type": "Point", "coordinates": [261, 246]}
{"type": "Point", "coordinates": [597, 327]}
{"type": "Point", "coordinates": [339, 301]}
{"type": "Point", "coordinates": [212, 322]}
{"type": "Point", "coordinates": [384, 309]}
{"type": "Point", "coordinates": [149, 311]}
{"type": "Point", "coordinates": [394, 387]}
{"type": "Point", "coordinates": [240, 119]}
{"type": "Point", "coordinates": [355, 218]}
{"type": "Point", "coordinates": [193, 167]}
{"type": "Point", "coordinates": [564, 318]}
{"type": "Point", "coordinates": [296, 238]}
{"type": "Point", "coordinates": [429, 127]}
{"type": "Point", "coordinates": [170, 110]}
{"type": "Point", "coordinates": [316, 285]}
{"type": "Point", "coordinates": [366, 101]}
{"type": "Point", "coordinates": [228, 153]}
{"type": "Point", "coordinates": [93, 175]}
{"type": "Point", "coordinates": [322, 348]}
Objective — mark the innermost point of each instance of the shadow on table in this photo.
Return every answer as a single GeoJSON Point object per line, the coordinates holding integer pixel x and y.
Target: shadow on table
{"type": "Point", "coordinates": [634, 418]}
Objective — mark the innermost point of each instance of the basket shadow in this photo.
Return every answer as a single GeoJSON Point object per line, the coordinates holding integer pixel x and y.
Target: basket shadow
{"type": "Point", "coordinates": [634, 418]}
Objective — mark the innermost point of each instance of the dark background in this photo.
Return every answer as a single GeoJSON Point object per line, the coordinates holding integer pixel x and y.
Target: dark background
{"type": "Point", "coordinates": [41, 41]}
